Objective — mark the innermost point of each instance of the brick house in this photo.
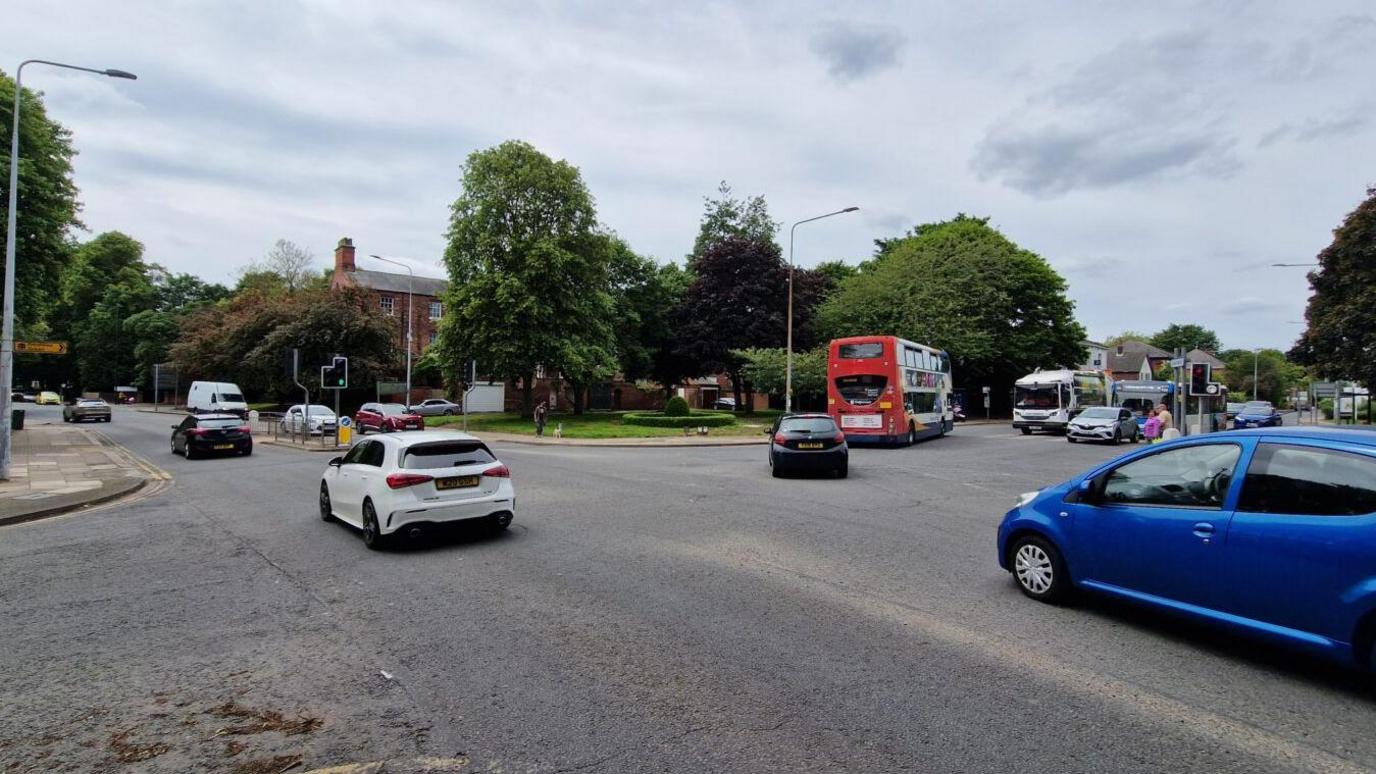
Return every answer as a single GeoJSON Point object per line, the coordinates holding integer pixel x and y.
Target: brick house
{"type": "Point", "coordinates": [389, 290]}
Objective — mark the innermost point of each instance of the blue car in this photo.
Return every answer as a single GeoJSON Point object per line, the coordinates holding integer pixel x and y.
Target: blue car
{"type": "Point", "coordinates": [1270, 533]}
{"type": "Point", "coordinates": [1257, 413]}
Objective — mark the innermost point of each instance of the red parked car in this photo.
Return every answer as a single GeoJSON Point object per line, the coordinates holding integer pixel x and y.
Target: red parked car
{"type": "Point", "coordinates": [386, 417]}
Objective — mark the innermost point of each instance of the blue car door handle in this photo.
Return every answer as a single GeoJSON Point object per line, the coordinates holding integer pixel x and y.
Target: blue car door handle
{"type": "Point", "coordinates": [1204, 529]}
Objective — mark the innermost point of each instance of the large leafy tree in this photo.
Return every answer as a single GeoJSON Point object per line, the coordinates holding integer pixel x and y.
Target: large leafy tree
{"type": "Point", "coordinates": [1340, 342]}
{"type": "Point", "coordinates": [529, 271]}
{"type": "Point", "coordinates": [1185, 336]}
{"type": "Point", "coordinates": [738, 300]}
{"type": "Point", "coordinates": [246, 338]}
{"type": "Point", "coordinates": [1129, 335]}
{"type": "Point", "coordinates": [999, 310]}
{"type": "Point", "coordinates": [645, 296]}
{"type": "Point", "coordinates": [106, 282]}
{"type": "Point", "coordinates": [47, 206]}
{"type": "Point", "coordinates": [727, 216]}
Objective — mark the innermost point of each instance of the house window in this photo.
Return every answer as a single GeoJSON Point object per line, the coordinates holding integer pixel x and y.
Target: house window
{"type": "Point", "coordinates": [386, 303]}
{"type": "Point", "coordinates": [436, 310]}
{"type": "Point", "coordinates": [432, 337]}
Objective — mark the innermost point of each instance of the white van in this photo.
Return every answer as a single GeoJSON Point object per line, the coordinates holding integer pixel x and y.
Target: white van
{"type": "Point", "coordinates": [213, 397]}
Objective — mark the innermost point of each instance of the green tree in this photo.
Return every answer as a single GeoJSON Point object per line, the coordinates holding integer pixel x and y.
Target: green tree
{"type": "Point", "coordinates": [738, 300]}
{"type": "Point", "coordinates": [1113, 341]}
{"type": "Point", "coordinates": [727, 216]}
{"type": "Point", "coordinates": [999, 310]}
{"type": "Point", "coordinates": [1276, 376]}
{"type": "Point", "coordinates": [1185, 336]}
{"type": "Point", "coordinates": [529, 271]}
{"type": "Point", "coordinates": [1340, 341]}
{"type": "Point", "coordinates": [766, 369]}
{"type": "Point", "coordinates": [645, 296]}
{"type": "Point", "coordinates": [104, 346]}
{"type": "Point", "coordinates": [47, 206]}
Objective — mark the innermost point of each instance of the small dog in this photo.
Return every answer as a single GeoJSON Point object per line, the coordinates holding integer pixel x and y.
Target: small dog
{"type": "Point", "coordinates": [559, 430]}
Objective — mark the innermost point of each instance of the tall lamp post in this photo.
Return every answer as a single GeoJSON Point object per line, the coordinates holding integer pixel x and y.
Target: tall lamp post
{"type": "Point", "coordinates": [7, 326]}
{"type": "Point", "coordinates": [410, 286]}
{"type": "Point", "coordinates": [788, 369]}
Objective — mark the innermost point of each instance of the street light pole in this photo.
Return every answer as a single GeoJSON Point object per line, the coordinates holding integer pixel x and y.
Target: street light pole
{"type": "Point", "coordinates": [11, 239]}
{"type": "Point", "coordinates": [410, 317]}
{"type": "Point", "coordinates": [1254, 373]}
{"type": "Point", "coordinates": [788, 369]}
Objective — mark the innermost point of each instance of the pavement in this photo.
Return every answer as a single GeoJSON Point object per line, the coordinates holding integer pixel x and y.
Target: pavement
{"type": "Point", "coordinates": [60, 467]}
{"type": "Point", "coordinates": [650, 609]}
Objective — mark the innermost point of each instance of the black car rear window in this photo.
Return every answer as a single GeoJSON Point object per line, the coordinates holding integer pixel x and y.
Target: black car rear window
{"type": "Point", "coordinates": [219, 424]}
{"type": "Point", "coordinates": [808, 424]}
{"type": "Point", "coordinates": [446, 454]}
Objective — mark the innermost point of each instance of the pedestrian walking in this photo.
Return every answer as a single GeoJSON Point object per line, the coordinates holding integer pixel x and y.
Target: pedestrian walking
{"type": "Point", "coordinates": [1152, 430]}
{"type": "Point", "coordinates": [540, 412]}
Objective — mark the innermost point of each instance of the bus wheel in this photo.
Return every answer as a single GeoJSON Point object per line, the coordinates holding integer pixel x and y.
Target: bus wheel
{"type": "Point", "coordinates": [912, 434]}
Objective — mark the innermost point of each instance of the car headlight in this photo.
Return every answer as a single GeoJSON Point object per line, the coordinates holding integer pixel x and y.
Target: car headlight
{"type": "Point", "coordinates": [1027, 497]}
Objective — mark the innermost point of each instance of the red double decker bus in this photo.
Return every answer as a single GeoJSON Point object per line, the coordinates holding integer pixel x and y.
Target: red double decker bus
{"type": "Point", "coordinates": [883, 389]}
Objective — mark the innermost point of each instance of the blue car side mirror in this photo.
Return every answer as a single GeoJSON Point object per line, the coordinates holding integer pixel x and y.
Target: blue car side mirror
{"type": "Point", "coordinates": [1086, 486]}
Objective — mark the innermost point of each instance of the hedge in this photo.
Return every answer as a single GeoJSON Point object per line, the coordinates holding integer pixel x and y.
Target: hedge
{"type": "Point", "coordinates": [692, 420]}
{"type": "Point", "coordinates": [677, 407]}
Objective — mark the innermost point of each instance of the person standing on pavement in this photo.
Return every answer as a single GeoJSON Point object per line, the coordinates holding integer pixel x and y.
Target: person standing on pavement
{"type": "Point", "coordinates": [540, 419]}
{"type": "Point", "coordinates": [1167, 421]}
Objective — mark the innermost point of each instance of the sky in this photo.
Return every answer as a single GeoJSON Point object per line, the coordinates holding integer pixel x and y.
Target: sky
{"type": "Point", "coordinates": [1161, 156]}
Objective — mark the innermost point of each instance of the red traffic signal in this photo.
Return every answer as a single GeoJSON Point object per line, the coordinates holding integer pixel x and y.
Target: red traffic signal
{"type": "Point", "coordinates": [1200, 376]}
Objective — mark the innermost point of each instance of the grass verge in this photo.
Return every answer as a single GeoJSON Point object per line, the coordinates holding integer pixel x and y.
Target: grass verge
{"type": "Point", "coordinates": [593, 424]}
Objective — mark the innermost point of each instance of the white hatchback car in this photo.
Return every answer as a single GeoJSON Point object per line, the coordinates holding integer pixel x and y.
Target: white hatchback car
{"type": "Point", "coordinates": [406, 482]}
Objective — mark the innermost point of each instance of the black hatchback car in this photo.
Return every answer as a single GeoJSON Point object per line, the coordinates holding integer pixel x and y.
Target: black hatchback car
{"type": "Point", "coordinates": [210, 433]}
{"type": "Point", "coordinates": [808, 442]}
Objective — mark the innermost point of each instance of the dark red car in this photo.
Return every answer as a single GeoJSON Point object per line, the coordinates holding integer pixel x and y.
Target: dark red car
{"type": "Point", "coordinates": [386, 417]}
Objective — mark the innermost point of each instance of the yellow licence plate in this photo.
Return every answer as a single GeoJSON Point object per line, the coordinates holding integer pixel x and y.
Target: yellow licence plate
{"type": "Point", "coordinates": [224, 446]}
{"type": "Point", "coordinates": [809, 446]}
{"type": "Point", "coordinates": [456, 482]}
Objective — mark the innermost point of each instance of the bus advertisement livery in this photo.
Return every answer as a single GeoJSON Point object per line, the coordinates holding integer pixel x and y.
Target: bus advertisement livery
{"type": "Point", "coordinates": [882, 389]}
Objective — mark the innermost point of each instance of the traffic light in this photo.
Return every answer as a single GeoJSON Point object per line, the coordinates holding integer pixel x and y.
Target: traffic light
{"type": "Point", "coordinates": [1200, 376]}
{"type": "Point", "coordinates": [336, 375]}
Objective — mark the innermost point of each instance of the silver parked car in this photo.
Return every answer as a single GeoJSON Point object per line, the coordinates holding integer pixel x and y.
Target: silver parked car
{"type": "Point", "coordinates": [81, 409]}
{"type": "Point", "coordinates": [322, 420]}
{"type": "Point", "coordinates": [437, 407]}
{"type": "Point", "coordinates": [1103, 423]}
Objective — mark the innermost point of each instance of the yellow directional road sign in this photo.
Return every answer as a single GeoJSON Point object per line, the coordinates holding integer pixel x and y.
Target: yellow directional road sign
{"type": "Point", "coordinates": [41, 347]}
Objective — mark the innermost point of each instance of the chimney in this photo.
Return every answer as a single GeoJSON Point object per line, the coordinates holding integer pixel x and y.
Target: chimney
{"type": "Point", "coordinates": [344, 255]}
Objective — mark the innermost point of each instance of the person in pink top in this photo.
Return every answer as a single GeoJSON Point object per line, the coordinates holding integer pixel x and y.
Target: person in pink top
{"type": "Point", "coordinates": [1152, 430]}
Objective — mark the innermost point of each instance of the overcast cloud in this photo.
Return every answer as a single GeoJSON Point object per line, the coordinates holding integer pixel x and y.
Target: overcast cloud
{"type": "Point", "coordinates": [1161, 156]}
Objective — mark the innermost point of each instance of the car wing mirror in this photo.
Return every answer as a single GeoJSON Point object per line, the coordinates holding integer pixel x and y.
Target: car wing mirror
{"type": "Point", "coordinates": [174, 427]}
{"type": "Point", "coordinates": [336, 462]}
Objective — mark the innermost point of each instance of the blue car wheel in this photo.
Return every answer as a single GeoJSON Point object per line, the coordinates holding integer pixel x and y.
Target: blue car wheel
{"type": "Point", "coordinates": [1038, 569]}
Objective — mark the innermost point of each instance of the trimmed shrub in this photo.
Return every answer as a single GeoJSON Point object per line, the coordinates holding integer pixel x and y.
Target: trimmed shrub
{"type": "Point", "coordinates": [692, 420]}
{"type": "Point", "coordinates": [676, 407]}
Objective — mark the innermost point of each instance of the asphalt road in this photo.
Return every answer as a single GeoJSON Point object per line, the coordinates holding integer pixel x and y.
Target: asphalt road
{"type": "Point", "coordinates": [649, 610]}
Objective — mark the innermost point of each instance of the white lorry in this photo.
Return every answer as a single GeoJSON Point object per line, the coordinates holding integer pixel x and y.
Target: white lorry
{"type": "Point", "coordinates": [1048, 400]}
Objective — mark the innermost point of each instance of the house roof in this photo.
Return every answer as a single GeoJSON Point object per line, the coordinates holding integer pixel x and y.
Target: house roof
{"type": "Point", "coordinates": [391, 282]}
{"type": "Point", "coordinates": [1200, 356]}
{"type": "Point", "coordinates": [1132, 355]}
